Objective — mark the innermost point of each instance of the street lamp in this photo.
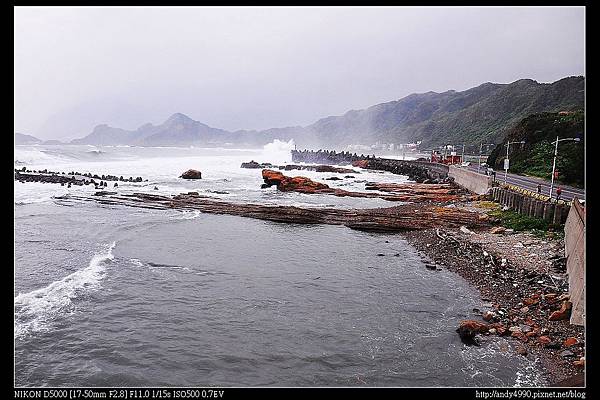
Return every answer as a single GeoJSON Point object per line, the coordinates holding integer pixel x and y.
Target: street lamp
{"type": "Point", "coordinates": [506, 162]}
{"type": "Point", "coordinates": [554, 162]}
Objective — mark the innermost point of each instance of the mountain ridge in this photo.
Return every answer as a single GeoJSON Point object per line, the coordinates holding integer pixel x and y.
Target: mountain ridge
{"type": "Point", "coordinates": [483, 113]}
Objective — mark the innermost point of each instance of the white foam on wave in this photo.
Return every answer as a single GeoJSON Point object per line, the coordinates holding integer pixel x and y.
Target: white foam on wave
{"type": "Point", "coordinates": [278, 151]}
{"type": "Point", "coordinates": [32, 156]}
{"type": "Point", "coordinates": [36, 309]}
{"type": "Point", "coordinates": [192, 214]}
{"type": "Point", "coordinates": [488, 358]}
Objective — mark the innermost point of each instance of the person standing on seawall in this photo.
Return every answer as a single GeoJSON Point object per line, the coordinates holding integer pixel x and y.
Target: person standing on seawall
{"type": "Point", "coordinates": [539, 188]}
{"type": "Point", "coordinates": [558, 193]}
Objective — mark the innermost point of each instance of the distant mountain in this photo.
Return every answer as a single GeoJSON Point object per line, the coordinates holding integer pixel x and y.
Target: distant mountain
{"type": "Point", "coordinates": [179, 129]}
{"type": "Point", "coordinates": [21, 138]}
{"type": "Point", "coordinates": [481, 114]}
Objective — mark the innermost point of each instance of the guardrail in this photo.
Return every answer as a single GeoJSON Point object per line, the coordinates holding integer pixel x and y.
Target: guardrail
{"type": "Point", "coordinates": [538, 206]}
{"type": "Point", "coordinates": [533, 194]}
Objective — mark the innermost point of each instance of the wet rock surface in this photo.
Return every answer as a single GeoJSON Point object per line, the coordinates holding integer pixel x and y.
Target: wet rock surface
{"type": "Point", "coordinates": [397, 192]}
{"type": "Point", "coordinates": [71, 178]}
{"type": "Point", "coordinates": [191, 174]}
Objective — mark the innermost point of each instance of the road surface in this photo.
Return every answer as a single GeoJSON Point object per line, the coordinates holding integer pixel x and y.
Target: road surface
{"type": "Point", "coordinates": [531, 183]}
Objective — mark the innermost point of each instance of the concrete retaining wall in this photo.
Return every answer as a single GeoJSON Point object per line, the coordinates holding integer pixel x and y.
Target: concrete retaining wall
{"type": "Point", "coordinates": [522, 203]}
{"type": "Point", "coordinates": [575, 252]}
{"type": "Point", "coordinates": [470, 180]}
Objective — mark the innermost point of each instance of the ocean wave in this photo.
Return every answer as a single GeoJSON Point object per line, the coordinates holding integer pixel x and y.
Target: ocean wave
{"type": "Point", "coordinates": [35, 310]}
{"type": "Point", "coordinates": [29, 156]}
{"type": "Point", "coordinates": [193, 214]}
{"type": "Point", "coordinates": [278, 151]}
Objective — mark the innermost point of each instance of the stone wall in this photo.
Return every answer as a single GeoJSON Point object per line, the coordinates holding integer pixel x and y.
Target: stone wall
{"type": "Point", "coordinates": [575, 252]}
{"type": "Point", "coordinates": [470, 180]}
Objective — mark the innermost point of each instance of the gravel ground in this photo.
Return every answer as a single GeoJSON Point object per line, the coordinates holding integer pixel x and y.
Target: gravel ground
{"type": "Point", "coordinates": [522, 280]}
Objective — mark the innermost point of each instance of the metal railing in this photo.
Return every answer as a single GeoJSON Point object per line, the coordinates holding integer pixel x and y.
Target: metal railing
{"type": "Point", "coordinates": [533, 194]}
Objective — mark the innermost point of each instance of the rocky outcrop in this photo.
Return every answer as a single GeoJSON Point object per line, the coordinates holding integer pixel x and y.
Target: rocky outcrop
{"type": "Point", "coordinates": [292, 184]}
{"type": "Point", "coordinates": [392, 219]}
{"type": "Point", "coordinates": [254, 165]}
{"type": "Point", "coordinates": [191, 174]}
{"type": "Point", "coordinates": [400, 192]}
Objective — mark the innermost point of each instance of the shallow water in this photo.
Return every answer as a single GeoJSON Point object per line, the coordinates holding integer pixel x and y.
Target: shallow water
{"type": "Point", "coordinates": [115, 296]}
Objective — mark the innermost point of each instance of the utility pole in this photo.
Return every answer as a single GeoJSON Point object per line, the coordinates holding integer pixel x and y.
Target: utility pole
{"type": "Point", "coordinates": [554, 162]}
{"type": "Point", "coordinates": [506, 161]}
{"type": "Point", "coordinates": [462, 158]}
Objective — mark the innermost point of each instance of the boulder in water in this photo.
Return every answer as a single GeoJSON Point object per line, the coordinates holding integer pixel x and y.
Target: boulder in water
{"type": "Point", "coordinates": [191, 174]}
{"type": "Point", "coordinates": [469, 328]}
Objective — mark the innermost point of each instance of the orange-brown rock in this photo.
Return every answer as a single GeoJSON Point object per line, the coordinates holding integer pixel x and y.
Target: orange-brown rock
{"type": "Point", "coordinates": [517, 334]}
{"type": "Point", "coordinates": [469, 328]}
{"type": "Point", "coordinates": [488, 315]}
{"type": "Point", "coordinates": [563, 313]}
{"type": "Point", "coordinates": [305, 185]}
{"type": "Point", "coordinates": [570, 341]}
{"type": "Point", "coordinates": [530, 301]}
{"type": "Point", "coordinates": [544, 340]}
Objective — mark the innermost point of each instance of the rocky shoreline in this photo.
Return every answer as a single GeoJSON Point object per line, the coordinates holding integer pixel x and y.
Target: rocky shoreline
{"type": "Point", "coordinates": [521, 278]}
{"type": "Point", "coordinates": [524, 299]}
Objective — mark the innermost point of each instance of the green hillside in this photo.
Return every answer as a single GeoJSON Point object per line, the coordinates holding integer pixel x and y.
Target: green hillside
{"type": "Point", "coordinates": [536, 155]}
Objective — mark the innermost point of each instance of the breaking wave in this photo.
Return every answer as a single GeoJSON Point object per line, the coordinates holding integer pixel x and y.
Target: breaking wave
{"type": "Point", "coordinates": [35, 310]}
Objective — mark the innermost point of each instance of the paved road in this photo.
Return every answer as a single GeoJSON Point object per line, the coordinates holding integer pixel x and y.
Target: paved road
{"type": "Point", "coordinates": [531, 183]}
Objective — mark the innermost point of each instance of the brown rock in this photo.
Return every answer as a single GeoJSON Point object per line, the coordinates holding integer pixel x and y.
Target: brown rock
{"type": "Point", "coordinates": [498, 229]}
{"type": "Point", "coordinates": [469, 328]}
{"type": "Point", "coordinates": [520, 349]}
{"type": "Point", "coordinates": [191, 174]}
{"type": "Point", "coordinates": [544, 340]}
{"type": "Point", "coordinates": [563, 313]}
{"type": "Point", "coordinates": [570, 342]}
{"type": "Point", "coordinates": [488, 315]}
{"type": "Point", "coordinates": [529, 301]}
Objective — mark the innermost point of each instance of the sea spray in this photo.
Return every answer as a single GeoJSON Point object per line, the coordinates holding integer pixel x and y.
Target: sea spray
{"type": "Point", "coordinates": [278, 151]}
{"type": "Point", "coordinates": [36, 309]}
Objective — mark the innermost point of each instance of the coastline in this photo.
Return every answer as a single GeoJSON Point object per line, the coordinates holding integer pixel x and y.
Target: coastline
{"type": "Point", "coordinates": [518, 275]}
{"type": "Point", "coordinates": [507, 281]}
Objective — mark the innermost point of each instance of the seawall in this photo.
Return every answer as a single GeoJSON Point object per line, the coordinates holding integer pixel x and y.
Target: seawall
{"type": "Point", "coordinates": [472, 181]}
{"type": "Point", "coordinates": [575, 253]}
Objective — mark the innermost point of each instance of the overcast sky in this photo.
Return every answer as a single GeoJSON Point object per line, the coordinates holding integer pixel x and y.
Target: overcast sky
{"type": "Point", "coordinates": [256, 68]}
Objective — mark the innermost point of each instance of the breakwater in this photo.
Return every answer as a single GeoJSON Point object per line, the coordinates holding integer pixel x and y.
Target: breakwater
{"type": "Point", "coordinates": [420, 171]}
